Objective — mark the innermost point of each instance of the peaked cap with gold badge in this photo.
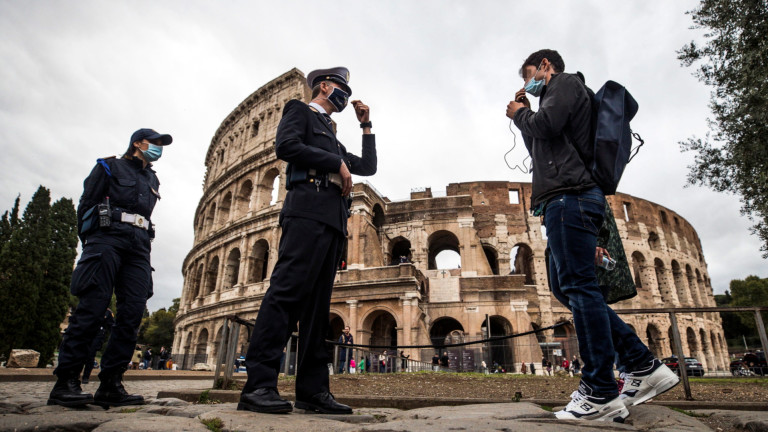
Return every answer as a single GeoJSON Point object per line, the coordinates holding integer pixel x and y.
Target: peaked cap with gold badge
{"type": "Point", "coordinates": [339, 75]}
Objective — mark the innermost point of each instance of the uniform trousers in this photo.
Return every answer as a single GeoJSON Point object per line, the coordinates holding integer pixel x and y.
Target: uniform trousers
{"type": "Point", "coordinates": [115, 258]}
{"type": "Point", "coordinates": [300, 290]}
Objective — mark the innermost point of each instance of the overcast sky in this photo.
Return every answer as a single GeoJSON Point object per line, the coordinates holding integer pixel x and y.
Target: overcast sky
{"type": "Point", "coordinates": [78, 77]}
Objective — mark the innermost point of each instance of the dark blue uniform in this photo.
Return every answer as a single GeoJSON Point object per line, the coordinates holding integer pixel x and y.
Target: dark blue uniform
{"type": "Point", "coordinates": [314, 227]}
{"type": "Point", "coordinates": [116, 258]}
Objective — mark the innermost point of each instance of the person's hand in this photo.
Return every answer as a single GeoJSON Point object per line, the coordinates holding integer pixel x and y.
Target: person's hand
{"type": "Point", "coordinates": [521, 97]}
{"type": "Point", "coordinates": [513, 107]}
{"type": "Point", "coordinates": [599, 252]}
{"type": "Point", "coordinates": [346, 179]}
{"type": "Point", "coordinates": [361, 110]}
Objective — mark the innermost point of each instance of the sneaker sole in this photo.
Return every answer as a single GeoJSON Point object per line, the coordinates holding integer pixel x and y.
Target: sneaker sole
{"type": "Point", "coordinates": [662, 386]}
{"type": "Point", "coordinates": [276, 410]}
{"type": "Point", "coordinates": [616, 416]}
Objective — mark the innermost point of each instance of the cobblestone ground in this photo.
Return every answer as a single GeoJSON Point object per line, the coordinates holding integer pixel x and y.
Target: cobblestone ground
{"type": "Point", "coordinates": [146, 388]}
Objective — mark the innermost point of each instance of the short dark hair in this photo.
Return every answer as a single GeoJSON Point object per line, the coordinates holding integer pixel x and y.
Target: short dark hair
{"type": "Point", "coordinates": [316, 88]}
{"type": "Point", "coordinates": [130, 151]}
{"type": "Point", "coordinates": [549, 54]}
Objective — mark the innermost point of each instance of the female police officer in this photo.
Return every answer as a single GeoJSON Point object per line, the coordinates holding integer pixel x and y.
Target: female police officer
{"type": "Point", "coordinates": [115, 229]}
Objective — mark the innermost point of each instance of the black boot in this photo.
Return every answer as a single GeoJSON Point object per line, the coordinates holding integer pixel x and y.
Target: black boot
{"type": "Point", "coordinates": [67, 392]}
{"type": "Point", "coordinates": [112, 393]}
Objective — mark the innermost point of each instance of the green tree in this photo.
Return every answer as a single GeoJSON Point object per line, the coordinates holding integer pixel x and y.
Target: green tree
{"type": "Point", "coordinates": [734, 61]}
{"type": "Point", "coordinates": [8, 223]}
{"type": "Point", "coordinates": [734, 329]}
{"type": "Point", "coordinates": [158, 327]}
{"type": "Point", "coordinates": [752, 291]}
{"type": "Point", "coordinates": [24, 259]}
{"type": "Point", "coordinates": [54, 292]}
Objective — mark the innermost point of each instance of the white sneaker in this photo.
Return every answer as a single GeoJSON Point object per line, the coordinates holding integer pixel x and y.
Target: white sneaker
{"type": "Point", "coordinates": [584, 407]}
{"type": "Point", "coordinates": [643, 384]}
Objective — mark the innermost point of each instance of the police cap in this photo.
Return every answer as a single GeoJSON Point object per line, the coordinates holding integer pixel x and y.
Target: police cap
{"type": "Point", "coordinates": [150, 135]}
{"type": "Point", "coordinates": [339, 75]}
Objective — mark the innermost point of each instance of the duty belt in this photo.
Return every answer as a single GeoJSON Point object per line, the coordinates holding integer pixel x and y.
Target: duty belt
{"type": "Point", "coordinates": [136, 220]}
{"type": "Point", "coordinates": [332, 177]}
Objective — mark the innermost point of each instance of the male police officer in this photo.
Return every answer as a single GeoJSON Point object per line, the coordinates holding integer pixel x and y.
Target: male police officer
{"type": "Point", "coordinates": [115, 229]}
{"type": "Point", "coordinates": [573, 206]}
{"type": "Point", "coordinates": [314, 227]}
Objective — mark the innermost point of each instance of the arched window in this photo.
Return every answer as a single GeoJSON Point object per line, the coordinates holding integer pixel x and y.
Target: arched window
{"type": "Point", "coordinates": [258, 261]}
{"type": "Point", "coordinates": [446, 245]}
{"type": "Point", "coordinates": [268, 189]}
{"type": "Point", "coordinates": [493, 258]}
{"type": "Point", "coordinates": [444, 329]}
{"type": "Point", "coordinates": [654, 340]}
{"type": "Point", "coordinates": [243, 204]}
{"type": "Point", "coordinates": [224, 208]}
{"type": "Point", "coordinates": [654, 242]}
{"type": "Point", "coordinates": [210, 217]}
{"type": "Point", "coordinates": [212, 275]}
{"type": "Point", "coordinates": [232, 270]}
{"type": "Point", "coordinates": [378, 218]}
{"type": "Point", "coordinates": [523, 262]}
{"type": "Point", "coordinates": [400, 251]}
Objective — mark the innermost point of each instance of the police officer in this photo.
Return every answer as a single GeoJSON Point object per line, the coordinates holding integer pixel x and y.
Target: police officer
{"type": "Point", "coordinates": [115, 229]}
{"type": "Point", "coordinates": [314, 227]}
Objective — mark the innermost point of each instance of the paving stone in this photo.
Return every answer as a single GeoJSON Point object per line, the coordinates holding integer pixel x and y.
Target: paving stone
{"type": "Point", "coordinates": [494, 425]}
{"type": "Point", "coordinates": [658, 418]}
{"type": "Point", "coordinates": [190, 411]}
{"type": "Point", "coordinates": [296, 421]}
{"type": "Point", "coordinates": [71, 420]}
{"type": "Point", "coordinates": [754, 421]}
{"type": "Point", "coordinates": [10, 408]}
{"type": "Point", "coordinates": [501, 411]}
{"type": "Point", "coordinates": [152, 423]}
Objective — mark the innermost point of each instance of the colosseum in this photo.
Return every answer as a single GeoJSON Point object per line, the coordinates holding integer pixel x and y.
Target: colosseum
{"type": "Point", "coordinates": [391, 291]}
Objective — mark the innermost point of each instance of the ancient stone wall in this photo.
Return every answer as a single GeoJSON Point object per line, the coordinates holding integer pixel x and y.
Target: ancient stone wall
{"type": "Point", "coordinates": [391, 291]}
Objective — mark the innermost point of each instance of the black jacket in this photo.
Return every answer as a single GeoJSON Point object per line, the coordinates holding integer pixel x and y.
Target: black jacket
{"type": "Point", "coordinates": [130, 186]}
{"type": "Point", "coordinates": [304, 138]}
{"type": "Point", "coordinates": [558, 138]}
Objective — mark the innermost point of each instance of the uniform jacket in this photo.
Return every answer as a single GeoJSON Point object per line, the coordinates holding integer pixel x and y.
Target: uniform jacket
{"type": "Point", "coordinates": [558, 138]}
{"type": "Point", "coordinates": [130, 186]}
{"type": "Point", "coordinates": [305, 138]}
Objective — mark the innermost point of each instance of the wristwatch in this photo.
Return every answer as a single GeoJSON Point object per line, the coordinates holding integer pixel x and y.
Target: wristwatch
{"type": "Point", "coordinates": [367, 124]}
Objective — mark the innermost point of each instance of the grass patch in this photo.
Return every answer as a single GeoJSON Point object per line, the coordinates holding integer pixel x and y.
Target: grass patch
{"type": "Point", "coordinates": [205, 398]}
{"type": "Point", "coordinates": [231, 386]}
{"type": "Point", "coordinates": [759, 380]}
{"type": "Point", "coordinates": [128, 410]}
{"type": "Point", "coordinates": [213, 424]}
{"type": "Point", "coordinates": [546, 408]}
{"type": "Point", "coordinates": [689, 413]}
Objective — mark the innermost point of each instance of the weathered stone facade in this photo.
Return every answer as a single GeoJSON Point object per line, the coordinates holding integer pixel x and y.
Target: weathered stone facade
{"type": "Point", "coordinates": [386, 302]}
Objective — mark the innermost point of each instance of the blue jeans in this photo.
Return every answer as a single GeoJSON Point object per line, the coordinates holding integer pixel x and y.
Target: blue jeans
{"type": "Point", "coordinates": [573, 221]}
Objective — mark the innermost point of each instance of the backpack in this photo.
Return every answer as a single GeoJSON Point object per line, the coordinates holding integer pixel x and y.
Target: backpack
{"type": "Point", "coordinates": [613, 107]}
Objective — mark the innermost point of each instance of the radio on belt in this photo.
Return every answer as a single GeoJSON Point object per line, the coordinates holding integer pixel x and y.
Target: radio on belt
{"type": "Point", "coordinates": [105, 214]}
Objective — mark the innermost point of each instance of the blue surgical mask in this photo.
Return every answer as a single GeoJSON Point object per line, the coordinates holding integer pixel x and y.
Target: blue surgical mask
{"type": "Point", "coordinates": [338, 98]}
{"type": "Point", "coordinates": [152, 153]}
{"type": "Point", "coordinates": [534, 86]}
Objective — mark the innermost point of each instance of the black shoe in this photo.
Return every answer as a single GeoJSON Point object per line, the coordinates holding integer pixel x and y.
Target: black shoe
{"type": "Point", "coordinates": [264, 400]}
{"type": "Point", "coordinates": [112, 393]}
{"type": "Point", "coordinates": [323, 403]}
{"type": "Point", "coordinates": [67, 392]}
{"type": "Point", "coordinates": [86, 380]}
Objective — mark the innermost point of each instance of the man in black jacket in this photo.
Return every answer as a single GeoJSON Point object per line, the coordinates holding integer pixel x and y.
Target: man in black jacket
{"type": "Point", "coordinates": [314, 228]}
{"type": "Point", "coordinates": [559, 138]}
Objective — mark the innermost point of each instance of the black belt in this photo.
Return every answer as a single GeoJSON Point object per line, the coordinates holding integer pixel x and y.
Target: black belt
{"type": "Point", "coordinates": [136, 220]}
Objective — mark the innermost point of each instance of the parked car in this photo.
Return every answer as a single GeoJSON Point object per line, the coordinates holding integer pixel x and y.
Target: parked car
{"type": "Point", "coordinates": [692, 366]}
{"type": "Point", "coordinates": [754, 362]}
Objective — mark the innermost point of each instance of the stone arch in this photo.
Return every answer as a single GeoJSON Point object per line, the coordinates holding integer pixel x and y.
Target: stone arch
{"type": "Point", "coordinates": [212, 275]}
{"type": "Point", "coordinates": [199, 281]}
{"type": "Point", "coordinates": [643, 279]}
{"type": "Point", "coordinates": [503, 351]}
{"type": "Point", "coordinates": [200, 223]}
{"type": "Point", "coordinates": [335, 326]}
{"type": "Point", "coordinates": [224, 208]}
{"type": "Point", "coordinates": [654, 338]}
{"type": "Point", "coordinates": [209, 218]}
{"type": "Point", "coordinates": [438, 242]}
{"type": "Point", "coordinates": [700, 288]}
{"type": "Point", "coordinates": [243, 199]}
{"type": "Point", "coordinates": [707, 350]}
{"type": "Point", "coordinates": [566, 336]}
{"type": "Point", "coordinates": [661, 278]}
{"type": "Point", "coordinates": [201, 346]}
{"type": "Point", "coordinates": [680, 287]}
{"type": "Point", "coordinates": [258, 261]}
{"type": "Point", "coordinates": [382, 325]}
{"type": "Point", "coordinates": [653, 241]}
{"type": "Point", "coordinates": [693, 343]}
{"type": "Point", "coordinates": [378, 218]}
{"type": "Point", "coordinates": [692, 286]}
{"type": "Point", "coordinates": [718, 365]}
{"type": "Point", "coordinates": [216, 344]}
{"type": "Point", "coordinates": [522, 263]}
{"type": "Point", "coordinates": [268, 189]}
{"type": "Point", "coordinates": [493, 258]}
{"type": "Point", "coordinates": [232, 269]}
{"type": "Point", "coordinates": [399, 247]}
{"type": "Point", "coordinates": [444, 330]}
